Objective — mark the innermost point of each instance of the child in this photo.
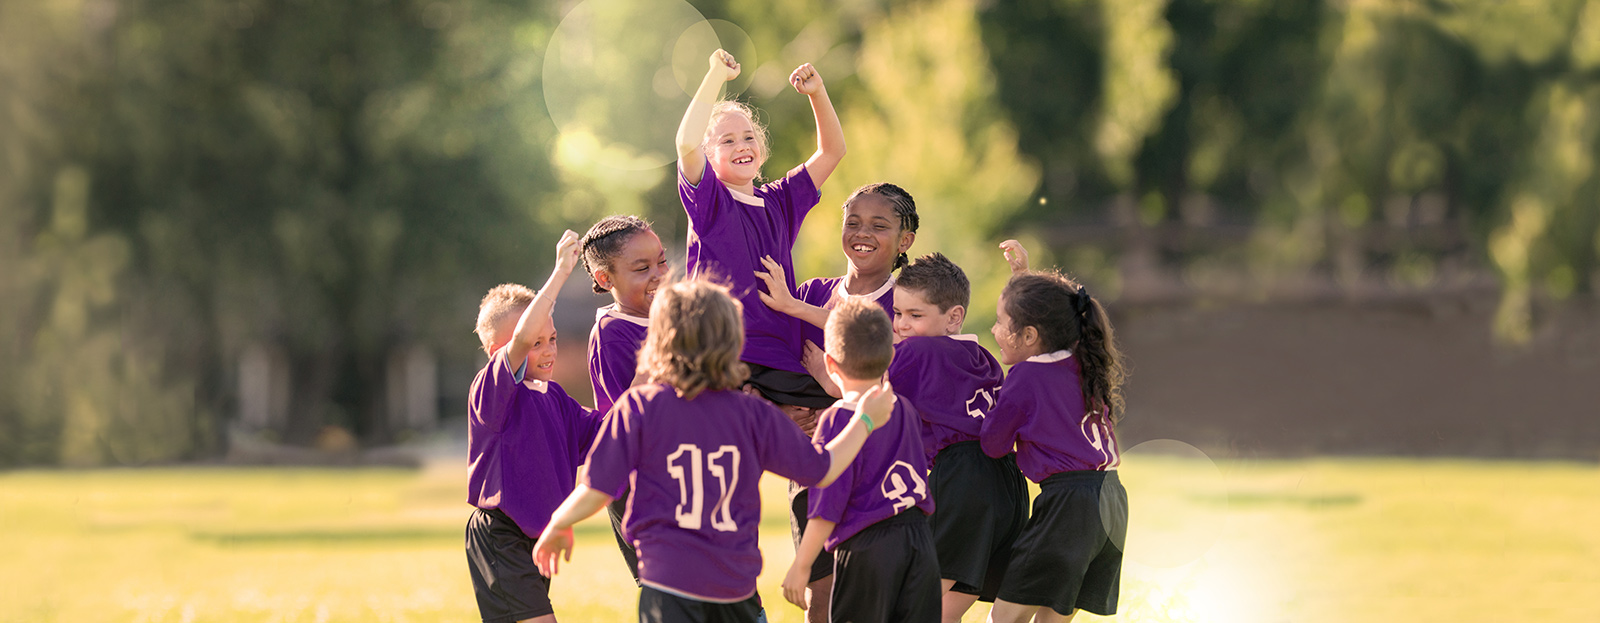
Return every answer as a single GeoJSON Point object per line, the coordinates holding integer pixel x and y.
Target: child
{"type": "Point", "coordinates": [880, 224]}
{"type": "Point", "coordinates": [874, 517]}
{"type": "Point", "coordinates": [526, 438]}
{"type": "Point", "coordinates": [1056, 412]}
{"type": "Point", "coordinates": [692, 448]}
{"type": "Point", "coordinates": [733, 223]}
{"type": "Point", "coordinates": [982, 502]}
{"type": "Point", "coordinates": [623, 256]}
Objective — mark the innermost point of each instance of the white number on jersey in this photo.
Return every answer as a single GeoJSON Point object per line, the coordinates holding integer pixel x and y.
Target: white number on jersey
{"type": "Point", "coordinates": [904, 485]}
{"type": "Point", "coordinates": [981, 402]}
{"type": "Point", "coordinates": [685, 467]}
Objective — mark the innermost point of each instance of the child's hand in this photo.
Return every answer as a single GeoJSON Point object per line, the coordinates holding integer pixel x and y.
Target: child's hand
{"type": "Point", "coordinates": [818, 369]}
{"type": "Point", "coordinates": [806, 80]}
{"type": "Point", "coordinates": [722, 63]}
{"type": "Point", "coordinates": [1015, 255]}
{"type": "Point", "coordinates": [567, 252]}
{"type": "Point", "coordinates": [878, 403]}
{"type": "Point", "coordinates": [777, 295]}
{"type": "Point", "coordinates": [553, 547]}
{"type": "Point", "coordinates": [794, 585]}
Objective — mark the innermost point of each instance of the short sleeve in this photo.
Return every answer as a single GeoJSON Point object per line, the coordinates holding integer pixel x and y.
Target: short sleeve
{"type": "Point", "coordinates": [493, 390]}
{"type": "Point", "coordinates": [831, 501]}
{"type": "Point", "coordinates": [796, 194]}
{"type": "Point", "coordinates": [583, 424]}
{"type": "Point", "coordinates": [905, 370]}
{"type": "Point", "coordinates": [616, 448]}
{"type": "Point", "coordinates": [699, 199]}
{"type": "Point", "coordinates": [616, 364]}
{"type": "Point", "coordinates": [784, 450]}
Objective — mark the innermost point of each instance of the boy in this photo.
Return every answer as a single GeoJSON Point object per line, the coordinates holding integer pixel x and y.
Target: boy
{"type": "Point", "coordinates": [982, 502]}
{"type": "Point", "coordinates": [874, 517]}
{"type": "Point", "coordinates": [526, 438]}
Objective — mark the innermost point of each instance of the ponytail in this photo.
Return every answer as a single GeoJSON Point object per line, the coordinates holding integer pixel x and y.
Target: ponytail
{"type": "Point", "coordinates": [1066, 317]}
{"type": "Point", "coordinates": [1098, 358]}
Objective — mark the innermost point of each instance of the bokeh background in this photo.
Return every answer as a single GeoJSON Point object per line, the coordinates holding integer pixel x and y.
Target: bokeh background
{"type": "Point", "coordinates": [250, 232]}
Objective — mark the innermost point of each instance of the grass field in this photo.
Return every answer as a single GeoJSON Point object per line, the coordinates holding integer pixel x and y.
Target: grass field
{"type": "Point", "coordinates": [1315, 540]}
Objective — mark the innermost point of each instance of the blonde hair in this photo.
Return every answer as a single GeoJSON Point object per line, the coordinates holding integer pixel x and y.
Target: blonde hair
{"type": "Point", "coordinates": [860, 339]}
{"type": "Point", "coordinates": [734, 107]}
{"type": "Point", "coordinates": [501, 301]}
{"type": "Point", "coordinates": [696, 335]}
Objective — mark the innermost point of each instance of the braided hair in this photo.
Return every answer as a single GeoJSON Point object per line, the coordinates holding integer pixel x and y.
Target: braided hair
{"type": "Point", "coordinates": [605, 240]}
{"type": "Point", "coordinates": [904, 207]}
{"type": "Point", "coordinates": [1066, 317]}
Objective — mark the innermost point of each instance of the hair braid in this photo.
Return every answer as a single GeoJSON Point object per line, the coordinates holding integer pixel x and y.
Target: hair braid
{"type": "Point", "coordinates": [605, 240]}
{"type": "Point", "coordinates": [904, 207]}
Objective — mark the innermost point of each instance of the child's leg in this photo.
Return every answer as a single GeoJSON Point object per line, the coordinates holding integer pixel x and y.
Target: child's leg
{"type": "Point", "coordinates": [820, 596]}
{"type": "Point", "coordinates": [1007, 612]}
{"type": "Point", "coordinates": [954, 605]}
{"type": "Point", "coordinates": [504, 579]}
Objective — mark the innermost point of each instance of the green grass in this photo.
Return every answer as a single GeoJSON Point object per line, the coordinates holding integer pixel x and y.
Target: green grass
{"type": "Point", "coordinates": [1318, 540]}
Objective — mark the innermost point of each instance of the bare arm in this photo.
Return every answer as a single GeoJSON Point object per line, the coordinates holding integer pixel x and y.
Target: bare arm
{"type": "Point", "coordinates": [877, 404]}
{"type": "Point", "coordinates": [692, 130]}
{"type": "Point", "coordinates": [780, 300]}
{"type": "Point", "coordinates": [830, 134]}
{"type": "Point", "coordinates": [794, 584]}
{"type": "Point", "coordinates": [556, 542]}
{"type": "Point", "coordinates": [536, 318]}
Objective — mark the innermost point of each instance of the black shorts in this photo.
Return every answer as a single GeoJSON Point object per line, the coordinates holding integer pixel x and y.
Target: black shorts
{"type": "Point", "coordinates": [504, 579]}
{"type": "Point", "coordinates": [658, 606]}
{"type": "Point", "coordinates": [823, 566]}
{"type": "Point", "coordinates": [887, 572]}
{"type": "Point", "coordinates": [617, 510]}
{"type": "Point", "coordinates": [980, 506]}
{"type": "Point", "coordinates": [788, 388]}
{"type": "Point", "coordinates": [1070, 554]}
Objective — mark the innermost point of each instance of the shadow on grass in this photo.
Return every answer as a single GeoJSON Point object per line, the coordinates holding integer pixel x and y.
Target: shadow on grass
{"type": "Point", "coordinates": [355, 536]}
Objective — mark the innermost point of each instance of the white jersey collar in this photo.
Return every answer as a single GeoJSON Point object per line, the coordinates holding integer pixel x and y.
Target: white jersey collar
{"type": "Point", "coordinates": [965, 337]}
{"type": "Point", "coordinates": [612, 311]}
{"type": "Point", "coordinates": [743, 198]}
{"type": "Point", "coordinates": [1051, 357]}
{"type": "Point", "coordinates": [840, 295]}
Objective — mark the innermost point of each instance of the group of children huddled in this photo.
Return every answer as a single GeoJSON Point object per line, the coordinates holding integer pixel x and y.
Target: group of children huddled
{"type": "Point", "coordinates": [906, 442]}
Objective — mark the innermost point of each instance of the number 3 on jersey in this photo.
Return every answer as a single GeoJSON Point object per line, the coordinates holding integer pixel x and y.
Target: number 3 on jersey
{"type": "Point", "coordinates": [981, 401]}
{"type": "Point", "coordinates": [904, 486]}
{"type": "Point", "coordinates": [685, 467]}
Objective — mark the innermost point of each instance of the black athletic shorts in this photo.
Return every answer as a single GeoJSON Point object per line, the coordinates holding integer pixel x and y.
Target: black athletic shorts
{"type": "Point", "coordinates": [823, 566]}
{"type": "Point", "coordinates": [658, 606]}
{"type": "Point", "coordinates": [980, 506]}
{"type": "Point", "coordinates": [887, 572]}
{"type": "Point", "coordinates": [617, 510]}
{"type": "Point", "coordinates": [788, 388]}
{"type": "Point", "coordinates": [504, 579]}
{"type": "Point", "coordinates": [1070, 554]}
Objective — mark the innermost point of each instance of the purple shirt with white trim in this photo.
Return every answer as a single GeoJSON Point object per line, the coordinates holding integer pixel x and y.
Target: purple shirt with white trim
{"type": "Point", "coordinates": [730, 231]}
{"type": "Point", "coordinates": [694, 467]}
{"type": "Point", "coordinates": [887, 477]}
{"type": "Point", "coordinates": [614, 353]}
{"type": "Point", "coordinates": [953, 380]}
{"type": "Point", "coordinates": [525, 442]}
{"type": "Point", "coordinates": [1041, 413]}
{"type": "Point", "coordinates": [829, 293]}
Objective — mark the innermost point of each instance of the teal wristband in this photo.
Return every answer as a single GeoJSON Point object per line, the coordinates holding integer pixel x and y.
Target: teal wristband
{"type": "Point", "coordinates": [865, 419]}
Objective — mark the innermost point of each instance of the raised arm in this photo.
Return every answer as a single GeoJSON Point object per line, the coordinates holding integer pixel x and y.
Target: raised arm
{"type": "Point", "coordinates": [692, 130]}
{"type": "Point", "coordinates": [830, 135]}
{"type": "Point", "coordinates": [1016, 256]}
{"type": "Point", "coordinates": [535, 321]}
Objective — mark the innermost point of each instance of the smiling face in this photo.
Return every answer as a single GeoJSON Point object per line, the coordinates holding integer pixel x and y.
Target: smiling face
{"type": "Point", "coordinates": [915, 316]}
{"type": "Point", "coordinates": [734, 149]}
{"type": "Point", "coordinates": [635, 273]}
{"type": "Point", "coordinates": [1015, 346]}
{"type": "Point", "coordinates": [541, 358]}
{"type": "Point", "coordinates": [872, 236]}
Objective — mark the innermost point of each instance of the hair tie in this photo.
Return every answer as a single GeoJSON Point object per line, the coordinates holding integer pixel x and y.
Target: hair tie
{"type": "Point", "coordinates": [1082, 304]}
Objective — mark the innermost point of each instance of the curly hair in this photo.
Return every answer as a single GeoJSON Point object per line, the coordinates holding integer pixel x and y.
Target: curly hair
{"type": "Point", "coordinates": [1066, 317]}
{"type": "Point", "coordinates": [696, 334]}
{"type": "Point", "coordinates": [904, 207]}
{"type": "Point", "coordinates": [603, 241]}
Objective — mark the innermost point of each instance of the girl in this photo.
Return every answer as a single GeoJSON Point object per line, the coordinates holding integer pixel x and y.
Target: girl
{"type": "Point", "coordinates": [693, 448]}
{"type": "Point", "coordinates": [1056, 411]}
{"type": "Point", "coordinates": [880, 225]}
{"type": "Point", "coordinates": [733, 223]}
{"type": "Point", "coordinates": [623, 256]}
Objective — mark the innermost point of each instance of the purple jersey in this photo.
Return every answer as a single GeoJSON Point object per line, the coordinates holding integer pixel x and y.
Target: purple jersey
{"type": "Point", "coordinates": [526, 440]}
{"type": "Point", "coordinates": [730, 231]}
{"type": "Point", "coordinates": [614, 353]}
{"type": "Point", "coordinates": [888, 476]}
{"type": "Point", "coordinates": [953, 380]}
{"type": "Point", "coordinates": [1041, 413]}
{"type": "Point", "coordinates": [829, 293]}
{"type": "Point", "coordinates": [694, 467]}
